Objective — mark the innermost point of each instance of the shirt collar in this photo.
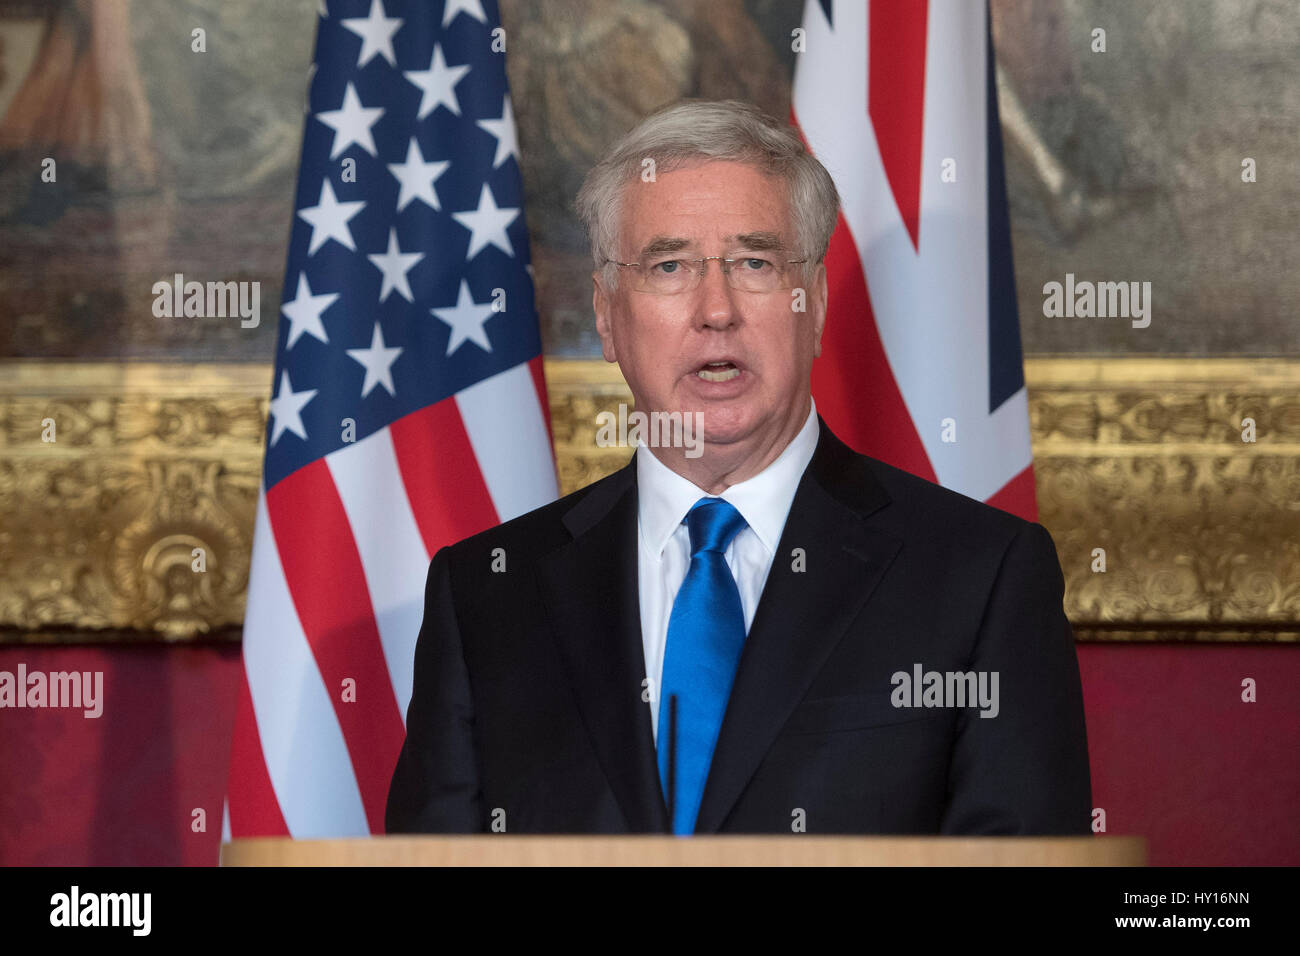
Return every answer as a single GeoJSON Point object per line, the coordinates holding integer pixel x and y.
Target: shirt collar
{"type": "Point", "coordinates": [664, 497]}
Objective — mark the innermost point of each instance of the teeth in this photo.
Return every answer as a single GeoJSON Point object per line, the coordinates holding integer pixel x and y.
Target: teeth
{"type": "Point", "coordinates": [726, 376]}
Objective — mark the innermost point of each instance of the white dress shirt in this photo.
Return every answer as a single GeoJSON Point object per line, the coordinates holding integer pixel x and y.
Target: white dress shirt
{"type": "Point", "coordinates": [664, 552]}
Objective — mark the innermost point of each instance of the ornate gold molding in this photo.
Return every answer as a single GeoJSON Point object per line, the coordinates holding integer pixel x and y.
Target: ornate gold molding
{"type": "Point", "coordinates": [98, 528]}
{"type": "Point", "coordinates": [1145, 459]}
{"type": "Point", "coordinates": [579, 390]}
{"type": "Point", "coordinates": [1141, 457]}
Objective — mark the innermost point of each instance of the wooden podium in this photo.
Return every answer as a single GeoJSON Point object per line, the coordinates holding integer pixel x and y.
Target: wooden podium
{"type": "Point", "coordinates": [504, 850]}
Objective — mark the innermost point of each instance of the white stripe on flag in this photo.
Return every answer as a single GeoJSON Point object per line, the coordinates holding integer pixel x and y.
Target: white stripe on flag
{"type": "Point", "coordinates": [392, 552]}
{"type": "Point", "coordinates": [302, 743]}
{"type": "Point", "coordinates": [507, 430]}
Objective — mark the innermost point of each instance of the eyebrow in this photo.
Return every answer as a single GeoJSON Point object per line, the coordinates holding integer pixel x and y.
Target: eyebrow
{"type": "Point", "coordinates": [664, 244]}
{"type": "Point", "coordinates": [760, 241]}
{"type": "Point", "coordinates": [755, 241]}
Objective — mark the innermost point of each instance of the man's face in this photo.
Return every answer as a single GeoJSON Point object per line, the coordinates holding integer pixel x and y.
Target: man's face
{"type": "Point", "coordinates": [664, 344]}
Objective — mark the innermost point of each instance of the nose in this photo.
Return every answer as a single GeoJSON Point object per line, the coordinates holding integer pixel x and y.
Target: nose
{"type": "Point", "coordinates": [717, 307]}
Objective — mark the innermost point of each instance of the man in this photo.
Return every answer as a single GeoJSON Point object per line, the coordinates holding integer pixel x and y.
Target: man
{"type": "Point", "coordinates": [773, 635]}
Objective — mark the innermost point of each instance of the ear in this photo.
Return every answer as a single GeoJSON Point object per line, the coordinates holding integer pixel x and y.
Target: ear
{"type": "Point", "coordinates": [601, 303]}
{"type": "Point", "coordinates": [819, 307]}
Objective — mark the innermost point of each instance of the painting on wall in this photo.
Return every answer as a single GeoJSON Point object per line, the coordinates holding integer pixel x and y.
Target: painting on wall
{"type": "Point", "coordinates": [141, 140]}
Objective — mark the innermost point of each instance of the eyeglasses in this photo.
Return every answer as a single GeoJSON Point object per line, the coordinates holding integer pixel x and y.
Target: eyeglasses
{"type": "Point", "coordinates": [670, 276]}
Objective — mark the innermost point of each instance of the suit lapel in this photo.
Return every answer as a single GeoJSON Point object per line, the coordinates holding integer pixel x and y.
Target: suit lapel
{"type": "Point", "coordinates": [591, 595]}
{"type": "Point", "coordinates": [801, 615]}
{"type": "Point", "coordinates": [590, 590]}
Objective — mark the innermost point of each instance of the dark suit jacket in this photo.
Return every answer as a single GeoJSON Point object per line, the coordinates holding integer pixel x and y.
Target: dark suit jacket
{"type": "Point", "coordinates": [528, 700]}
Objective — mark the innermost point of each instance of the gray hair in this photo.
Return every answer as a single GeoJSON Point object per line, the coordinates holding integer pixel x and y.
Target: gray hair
{"type": "Point", "coordinates": [692, 131]}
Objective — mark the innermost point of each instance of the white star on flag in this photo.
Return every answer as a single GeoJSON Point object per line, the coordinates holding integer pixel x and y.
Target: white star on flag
{"type": "Point", "coordinates": [437, 83]}
{"type": "Point", "coordinates": [353, 121]}
{"type": "Point", "coordinates": [286, 409]}
{"type": "Point", "coordinates": [304, 312]}
{"type": "Point", "coordinates": [378, 363]}
{"type": "Point", "coordinates": [376, 32]}
{"type": "Point", "coordinates": [487, 224]}
{"type": "Point", "coordinates": [504, 131]}
{"type": "Point", "coordinates": [329, 219]}
{"type": "Point", "coordinates": [473, 7]}
{"type": "Point", "coordinates": [466, 319]}
{"type": "Point", "coordinates": [395, 264]}
{"type": "Point", "coordinates": [417, 177]}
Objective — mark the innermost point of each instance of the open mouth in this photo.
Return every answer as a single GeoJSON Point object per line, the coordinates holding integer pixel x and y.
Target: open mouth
{"type": "Point", "coordinates": [718, 371]}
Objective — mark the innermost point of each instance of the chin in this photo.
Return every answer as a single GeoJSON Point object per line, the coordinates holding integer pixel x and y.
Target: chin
{"type": "Point", "coordinates": [724, 426]}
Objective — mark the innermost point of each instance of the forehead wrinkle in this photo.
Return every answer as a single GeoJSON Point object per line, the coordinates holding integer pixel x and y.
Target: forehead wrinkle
{"type": "Point", "coordinates": [694, 193]}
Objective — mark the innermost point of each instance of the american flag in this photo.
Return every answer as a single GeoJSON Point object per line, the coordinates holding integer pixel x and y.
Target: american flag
{"type": "Point", "coordinates": [922, 362]}
{"type": "Point", "coordinates": [408, 407]}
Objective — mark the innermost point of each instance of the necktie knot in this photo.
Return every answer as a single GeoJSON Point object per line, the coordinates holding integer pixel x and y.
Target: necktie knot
{"type": "Point", "coordinates": [712, 523]}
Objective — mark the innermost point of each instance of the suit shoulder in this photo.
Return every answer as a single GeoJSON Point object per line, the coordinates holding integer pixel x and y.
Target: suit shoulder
{"type": "Point", "coordinates": [924, 504]}
{"type": "Point", "coordinates": [542, 528]}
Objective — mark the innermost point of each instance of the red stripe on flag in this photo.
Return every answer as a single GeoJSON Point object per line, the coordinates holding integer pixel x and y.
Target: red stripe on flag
{"type": "Point", "coordinates": [446, 490]}
{"type": "Point", "coordinates": [852, 382]}
{"type": "Point", "coordinates": [543, 399]}
{"type": "Point", "coordinates": [328, 586]}
{"type": "Point", "coordinates": [1017, 495]}
{"type": "Point", "coordinates": [896, 98]}
{"type": "Point", "coordinates": [250, 797]}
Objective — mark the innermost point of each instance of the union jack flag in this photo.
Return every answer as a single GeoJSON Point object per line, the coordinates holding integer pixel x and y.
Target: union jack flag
{"type": "Point", "coordinates": [408, 409]}
{"type": "Point", "coordinates": [922, 363]}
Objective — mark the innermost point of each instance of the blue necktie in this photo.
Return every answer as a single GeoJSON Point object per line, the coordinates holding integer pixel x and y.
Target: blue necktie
{"type": "Point", "coordinates": [706, 631]}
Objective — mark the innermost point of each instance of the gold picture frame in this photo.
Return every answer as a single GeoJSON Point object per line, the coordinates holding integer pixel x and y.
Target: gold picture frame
{"type": "Point", "coordinates": [1139, 462]}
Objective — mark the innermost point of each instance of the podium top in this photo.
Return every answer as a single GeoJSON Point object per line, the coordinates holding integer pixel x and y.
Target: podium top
{"type": "Point", "coordinates": [655, 850]}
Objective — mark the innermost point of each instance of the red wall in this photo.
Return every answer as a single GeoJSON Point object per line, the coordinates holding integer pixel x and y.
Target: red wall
{"type": "Point", "coordinates": [120, 788]}
{"type": "Point", "coordinates": [1176, 755]}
